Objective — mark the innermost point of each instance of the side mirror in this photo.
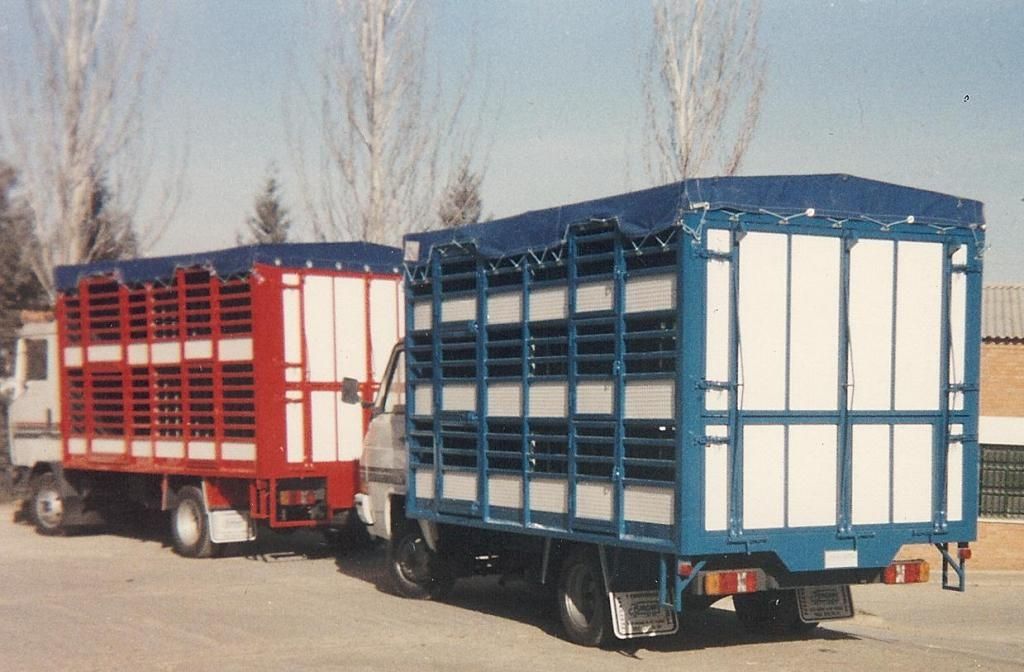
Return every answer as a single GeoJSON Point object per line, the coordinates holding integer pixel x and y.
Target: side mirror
{"type": "Point", "coordinates": [350, 391]}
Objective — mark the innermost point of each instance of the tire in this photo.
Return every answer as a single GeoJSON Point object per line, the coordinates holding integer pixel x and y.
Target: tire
{"type": "Point", "coordinates": [771, 611]}
{"type": "Point", "coordinates": [46, 508]}
{"type": "Point", "coordinates": [583, 600]}
{"type": "Point", "coordinates": [190, 526]}
{"type": "Point", "coordinates": [414, 571]}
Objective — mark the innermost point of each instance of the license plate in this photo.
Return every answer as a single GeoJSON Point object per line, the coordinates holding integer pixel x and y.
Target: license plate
{"type": "Point", "coordinates": [824, 603]}
{"type": "Point", "coordinates": [640, 614]}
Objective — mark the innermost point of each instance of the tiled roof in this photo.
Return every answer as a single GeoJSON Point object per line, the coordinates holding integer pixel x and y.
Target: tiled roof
{"type": "Point", "coordinates": [1002, 312]}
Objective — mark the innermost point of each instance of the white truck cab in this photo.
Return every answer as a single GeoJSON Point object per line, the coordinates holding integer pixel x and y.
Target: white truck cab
{"type": "Point", "coordinates": [33, 397]}
{"type": "Point", "coordinates": [383, 463]}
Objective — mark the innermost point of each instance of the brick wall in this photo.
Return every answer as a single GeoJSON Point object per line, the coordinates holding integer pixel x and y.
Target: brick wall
{"type": "Point", "coordinates": [1002, 379]}
{"type": "Point", "coordinates": [1000, 545]}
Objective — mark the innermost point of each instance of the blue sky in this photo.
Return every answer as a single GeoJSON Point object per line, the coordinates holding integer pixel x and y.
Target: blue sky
{"type": "Point", "coordinates": [876, 89]}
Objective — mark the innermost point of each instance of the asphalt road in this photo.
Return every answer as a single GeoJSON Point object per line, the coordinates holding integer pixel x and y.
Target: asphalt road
{"type": "Point", "coordinates": [124, 601]}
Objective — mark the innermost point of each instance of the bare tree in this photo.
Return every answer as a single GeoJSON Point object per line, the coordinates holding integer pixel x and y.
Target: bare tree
{"type": "Point", "coordinates": [73, 123]}
{"type": "Point", "coordinates": [703, 87]}
{"type": "Point", "coordinates": [269, 222]}
{"type": "Point", "coordinates": [385, 126]}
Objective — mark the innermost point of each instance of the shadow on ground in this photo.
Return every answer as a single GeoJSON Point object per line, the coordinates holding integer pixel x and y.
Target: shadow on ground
{"type": "Point", "coordinates": [534, 605]}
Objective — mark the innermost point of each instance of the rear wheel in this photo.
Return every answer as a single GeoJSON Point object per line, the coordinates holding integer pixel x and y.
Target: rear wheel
{"type": "Point", "coordinates": [47, 507]}
{"type": "Point", "coordinates": [190, 527]}
{"type": "Point", "coordinates": [582, 599]}
{"type": "Point", "coordinates": [414, 570]}
{"type": "Point", "coordinates": [773, 610]}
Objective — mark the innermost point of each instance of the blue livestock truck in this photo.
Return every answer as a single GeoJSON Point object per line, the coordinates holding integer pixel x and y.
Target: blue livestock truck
{"type": "Point", "coordinates": [754, 387]}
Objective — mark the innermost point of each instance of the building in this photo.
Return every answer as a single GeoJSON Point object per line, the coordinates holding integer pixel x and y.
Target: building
{"type": "Point", "coordinates": [1001, 431]}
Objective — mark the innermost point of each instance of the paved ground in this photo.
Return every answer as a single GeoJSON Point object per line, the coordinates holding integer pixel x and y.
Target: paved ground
{"type": "Point", "coordinates": [126, 602]}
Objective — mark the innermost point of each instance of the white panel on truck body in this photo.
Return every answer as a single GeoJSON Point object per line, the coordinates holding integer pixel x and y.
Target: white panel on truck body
{"type": "Point", "coordinates": [350, 328]}
{"type": "Point", "coordinates": [918, 324]}
{"type": "Point", "coordinates": [550, 303]}
{"type": "Point", "coordinates": [505, 307]}
{"type": "Point", "coordinates": [295, 430]}
{"type": "Point", "coordinates": [870, 377]}
{"type": "Point", "coordinates": [458, 397]}
{"type": "Point", "coordinates": [716, 335]}
{"type": "Point", "coordinates": [955, 482]}
{"type": "Point", "coordinates": [505, 399]}
{"type": "Point", "coordinates": [421, 314]}
{"type": "Point", "coordinates": [594, 501]}
{"type": "Point", "coordinates": [652, 399]}
{"type": "Point", "coordinates": [324, 425]}
{"type": "Point", "coordinates": [764, 476]}
{"type": "Point", "coordinates": [461, 309]}
{"type": "Point", "coordinates": [650, 292]}
{"type": "Point", "coordinates": [548, 400]}
{"type": "Point", "coordinates": [870, 474]}
{"type": "Point", "coordinates": [385, 329]}
{"type": "Point", "coordinates": [716, 480]}
{"type": "Point", "coordinates": [814, 323]}
{"type": "Point", "coordinates": [291, 308]}
{"type": "Point", "coordinates": [350, 430]}
{"type": "Point", "coordinates": [762, 312]}
{"type": "Point", "coordinates": [912, 473]}
{"type": "Point", "coordinates": [318, 323]}
{"type": "Point", "coordinates": [594, 396]}
{"type": "Point", "coordinates": [549, 495]}
{"type": "Point", "coordinates": [594, 296]}
{"type": "Point", "coordinates": [812, 476]}
{"type": "Point", "coordinates": [505, 491]}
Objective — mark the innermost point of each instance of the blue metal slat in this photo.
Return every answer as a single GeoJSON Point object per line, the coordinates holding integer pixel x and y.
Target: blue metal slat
{"type": "Point", "coordinates": [619, 382]}
{"type": "Point", "coordinates": [573, 371]}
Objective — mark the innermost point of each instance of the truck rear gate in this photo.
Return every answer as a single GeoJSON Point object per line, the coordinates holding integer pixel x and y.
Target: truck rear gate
{"type": "Point", "coordinates": [230, 367]}
{"type": "Point", "coordinates": [784, 366]}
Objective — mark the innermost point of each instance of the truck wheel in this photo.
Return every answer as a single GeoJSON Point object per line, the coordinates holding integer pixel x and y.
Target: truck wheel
{"type": "Point", "coordinates": [47, 507]}
{"type": "Point", "coordinates": [190, 527]}
{"type": "Point", "coordinates": [789, 614]}
{"type": "Point", "coordinates": [414, 570]}
{"type": "Point", "coordinates": [756, 611]}
{"type": "Point", "coordinates": [583, 600]}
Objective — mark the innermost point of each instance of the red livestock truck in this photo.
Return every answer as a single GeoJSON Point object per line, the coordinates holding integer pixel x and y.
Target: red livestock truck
{"type": "Point", "coordinates": [222, 387]}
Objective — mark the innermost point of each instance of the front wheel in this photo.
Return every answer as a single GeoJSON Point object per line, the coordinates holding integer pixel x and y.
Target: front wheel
{"type": "Point", "coordinates": [414, 570]}
{"type": "Point", "coordinates": [582, 599]}
{"type": "Point", "coordinates": [47, 507]}
{"type": "Point", "coordinates": [190, 527]}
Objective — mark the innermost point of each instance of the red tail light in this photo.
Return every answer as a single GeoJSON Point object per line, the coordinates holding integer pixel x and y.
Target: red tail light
{"type": "Point", "coordinates": [733, 581]}
{"type": "Point", "coordinates": [906, 571]}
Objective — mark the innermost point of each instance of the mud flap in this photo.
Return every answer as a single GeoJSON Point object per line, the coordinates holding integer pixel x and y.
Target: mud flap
{"type": "Point", "coordinates": [824, 603]}
{"type": "Point", "coordinates": [641, 614]}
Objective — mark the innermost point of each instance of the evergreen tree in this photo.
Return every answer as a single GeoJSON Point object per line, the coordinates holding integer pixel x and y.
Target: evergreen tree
{"type": "Point", "coordinates": [460, 202]}
{"type": "Point", "coordinates": [19, 287]}
{"type": "Point", "coordinates": [270, 222]}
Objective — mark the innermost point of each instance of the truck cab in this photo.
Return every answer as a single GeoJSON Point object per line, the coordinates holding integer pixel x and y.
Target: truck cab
{"type": "Point", "coordinates": [33, 400]}
{"type": "Point", "coordinates": [383, 463]}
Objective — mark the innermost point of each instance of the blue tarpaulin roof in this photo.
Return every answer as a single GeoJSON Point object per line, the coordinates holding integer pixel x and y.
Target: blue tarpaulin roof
{"type": "Point", "coordinates": [836, 196]}
{"type": "Point", "coordinates": [238, 260]}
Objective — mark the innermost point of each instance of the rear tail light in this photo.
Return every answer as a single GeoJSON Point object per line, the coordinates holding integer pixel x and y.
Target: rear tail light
{"type": "Point", "coordinates": [963, 551]}
{"type": "Point", "coordinates": [906, 571]}
{"type": "Point", "coordinates": [733, 581]}
{"type": "Point", "coordinates": [297, 497]}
